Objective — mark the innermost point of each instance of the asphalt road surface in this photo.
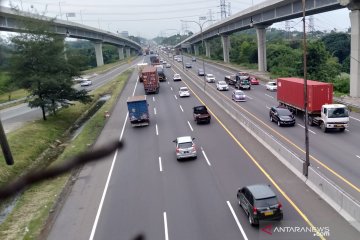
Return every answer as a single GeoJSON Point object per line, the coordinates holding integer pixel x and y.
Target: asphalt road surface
{"type": "Point", "coordinates": [144, 189]}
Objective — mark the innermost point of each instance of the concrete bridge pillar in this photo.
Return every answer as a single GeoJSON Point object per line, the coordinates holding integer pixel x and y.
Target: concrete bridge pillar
{"type": "Point", "coordinates": [355, 53]}
{"type": "Point", "coordinates": [261, 42]}
{"type": "Point", "coordinates": [121, 53]}
{"type": "Point", "coordinates": [98, 54]}
{"type": "Point", "coordinates": [196, 50]}
{"type": "Point", "coordinates": [207, 49]}
{"type": "Point", "coordinates": [128, 54]}
{"type": "Point", "coordinates": [225, 40]}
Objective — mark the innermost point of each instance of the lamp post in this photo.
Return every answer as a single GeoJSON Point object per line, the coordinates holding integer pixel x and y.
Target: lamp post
{"type": "Point", "coordinates": [201, 25]}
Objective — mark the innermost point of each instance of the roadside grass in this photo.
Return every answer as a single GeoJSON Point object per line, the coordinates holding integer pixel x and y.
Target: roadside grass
{"type": "Point", "coordinates": [107, 67]}
{"type": "Point", "coordinates": [34, 206]}
{"type": "Point", "coordinates": [14, 95]}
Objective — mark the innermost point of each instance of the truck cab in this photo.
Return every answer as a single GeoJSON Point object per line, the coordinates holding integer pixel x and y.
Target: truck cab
{"type": "Point", "coordinates": [334, 116]}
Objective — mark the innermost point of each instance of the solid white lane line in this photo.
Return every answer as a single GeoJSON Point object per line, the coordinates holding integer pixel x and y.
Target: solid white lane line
{"type": "Point", "coordinates": [181, 108]}
{"type": "Point", "coordinates": [355, 118]}
{"type": "Point", "coordinates": [175, 96]}
{"type": "Point", "coordinates": [207, 160]}
{"type": "Point", "coordinates": [269, 96]}
{"type": "Point", "coordinates": [157, 130]}
{"type": "Point", "coordinates": [308, 129]}
{"type": "Point", "coordinates": [155, 111]}
{"type": "Point", "coordinates": [153, 99]}
{"type": "Point", "coordinates": [92, 234]}
{"type": "Point", "coordinates": [166, 227]}
{"type": "Point", "coordinates": [237, 221]}
{"type": "Point", "coordinates": [190, 126]}
{"type": "Point", "coordinates": [160, 165]}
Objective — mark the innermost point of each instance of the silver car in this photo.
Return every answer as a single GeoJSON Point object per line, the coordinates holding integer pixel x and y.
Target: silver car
{"type": "Point", "coordinates": [185, 147]}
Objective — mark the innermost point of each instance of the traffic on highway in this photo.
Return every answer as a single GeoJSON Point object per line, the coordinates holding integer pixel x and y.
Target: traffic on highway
{"type": "Point", "coordinates": [177, 179]}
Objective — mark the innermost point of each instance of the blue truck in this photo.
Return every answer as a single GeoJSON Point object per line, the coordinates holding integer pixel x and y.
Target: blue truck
{"type": "Point", "coordinates": [138, 111]}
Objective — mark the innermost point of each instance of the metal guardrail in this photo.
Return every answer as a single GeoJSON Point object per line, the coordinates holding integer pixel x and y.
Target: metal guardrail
{"type": "Point", "coordinates": [341, 201]}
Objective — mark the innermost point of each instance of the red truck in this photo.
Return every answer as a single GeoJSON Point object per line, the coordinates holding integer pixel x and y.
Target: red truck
{"type": "Point", "coordinates": [150, 80]}
{"type": "Point", "coordinates": [321, 110]}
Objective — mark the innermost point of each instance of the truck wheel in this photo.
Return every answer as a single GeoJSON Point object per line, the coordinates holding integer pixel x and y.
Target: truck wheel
{"type": "Point", "coordinates": [310, 121]}
{"type": "Point", "coordinates": [323, 128]}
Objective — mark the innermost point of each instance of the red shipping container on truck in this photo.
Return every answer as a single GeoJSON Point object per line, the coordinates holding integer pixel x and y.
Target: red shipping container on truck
{"type": "Point", "coordinates": [291, 92]}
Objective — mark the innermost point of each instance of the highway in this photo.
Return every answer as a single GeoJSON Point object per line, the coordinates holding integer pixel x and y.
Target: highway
{"type": "Point", "coordinates": [335, 154]}
{"type": "Point", "coordinates": [14, 117]}
{"type": "Point", "coordinates": [144, 189]}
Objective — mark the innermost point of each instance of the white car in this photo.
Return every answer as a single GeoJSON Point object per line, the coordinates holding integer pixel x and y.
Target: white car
{"type": "Point", "coordinates": [222, 85]}
{"type": "Point", "coordinates": [184, 92]}
{"type": "Point", "coordinates": [86, 83]}
{"type": "Point", "coordinates": [210, 78]}
{"type": "Point", "coordinates": [271, 86]}
{"type": "Point", "coordinates": [168, 65]}
{"type": "Point", "coordinates": [177, 77]}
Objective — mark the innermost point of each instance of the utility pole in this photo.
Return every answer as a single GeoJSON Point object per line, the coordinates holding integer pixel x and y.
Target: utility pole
{"type": "Point", "coordinates": [222, 9]}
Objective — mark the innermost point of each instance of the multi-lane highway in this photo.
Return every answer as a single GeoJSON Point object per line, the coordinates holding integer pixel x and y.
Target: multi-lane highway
{"type": "Point", "coordinates": [144, 189]}
{"type": "Point", "coordinates": [14, 117]}
{"type": "Point", "coordinates": [334, 154]}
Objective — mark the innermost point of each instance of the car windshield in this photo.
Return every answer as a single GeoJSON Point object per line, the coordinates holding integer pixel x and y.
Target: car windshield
{"type": "Point", "coordinates": [222, 83]}
{"type": "Point", "coordinates": [210, 75]}
{"type": "Point", "coordinates": [284, 112]}
{"type": "Point", "coordinates": [183, 89]}
{"type": "Point", "coordinates": [338, 112]}
{"type": "Point", "coordinates": [200, 109]}
{"type": "Point", "coordinates": [266, 202]}
{"type": "Point", "coordinates": [239, 93]}
{"type": "Point", "coordinates": [185, 145]}
{"type": "Point", "coordinates": [272, 83]}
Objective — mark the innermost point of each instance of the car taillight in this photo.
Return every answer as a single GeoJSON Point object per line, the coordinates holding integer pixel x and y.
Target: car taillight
{"type": "Point", "coordinates": [279, 206]}
{"type": "Point", "coordinates": [177, 150]}
{"type": "Point", "coordinates": [254, 210]}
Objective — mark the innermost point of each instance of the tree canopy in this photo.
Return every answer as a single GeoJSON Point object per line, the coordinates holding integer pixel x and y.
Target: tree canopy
{"type": "Point", "coordinates": [39, 64]}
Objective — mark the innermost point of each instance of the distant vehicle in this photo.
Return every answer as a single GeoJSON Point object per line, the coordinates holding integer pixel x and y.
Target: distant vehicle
{"type": "Point", "coordinates": [79, 79]}
{"type": "Point", "coordinates": [230, 79]}
{"type": "Point", "coordinates": [184, 92]}
{"type": "Point", "coordinates": [193, 59]}
{"type": "Point", "coordinates": [210, 78]}
{"type": "Point", "coordinates": [271, 86]}
{"type": "Point", "coordinates": [154, 59]}
{"type": "Point", "coordinates": [238, 96]}
{"type": "Point", "coordinates": [243, 84]}
{"type": "Point", "coordinates": [321, 111]}
{"type": "Point", "coordinates": [86, 83]}
{"type": "Point", "coordinates": [168, 65]}
{"type": "Point", "coordinates": [185, 147]}
{"type": "Point", "coordinates": [140, 67]}
{"type": "Point", "coordinates": [177, 77]}
{"type": "Point", "coordinates": [150, 80]}
{"type": "Point", "coordinates": [201, 114]}
{"type": "Point", "coordinates": [259, 203]}
{"type": "Point", "coordinates": [138, 111]}
{"type": "Point", "coordinates": [222, 85]}
{"type": "Point", "coordinates": [282, 116]}
{"type": "Point", "coordinates": [179, 59]}
{"type": "Point", "coordinates": [164, 62]}
{"type": "Point", "coordinates": [188, 65]}
{"type": "Point", "coordinates": [160, 72]}
{"type": "Point", "coordinates": [254, 80]}
{"type": "Point", "coordinates": [201, 72]}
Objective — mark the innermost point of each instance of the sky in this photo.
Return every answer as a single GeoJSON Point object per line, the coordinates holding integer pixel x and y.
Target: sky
{"type": "Point", "coordinates": [149, 19]}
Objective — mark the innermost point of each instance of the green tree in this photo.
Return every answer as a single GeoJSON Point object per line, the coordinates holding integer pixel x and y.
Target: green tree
{"type": "Point", "coordinates": [320, 65]}
{"type": "Point", "coordinates": [338, 45]}
{"type": "Point", "coordinates": [283, 61]}
{"type": "Point", "coordinates": [38, 64]}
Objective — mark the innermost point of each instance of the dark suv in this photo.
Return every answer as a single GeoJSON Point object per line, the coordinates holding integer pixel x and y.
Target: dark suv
{"type": "Point", "coordinates": [282, 116]}
{"type": "Point", "coordinates": [201, 114]}
{"type": "Point", "coordinates": [259, 203]}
